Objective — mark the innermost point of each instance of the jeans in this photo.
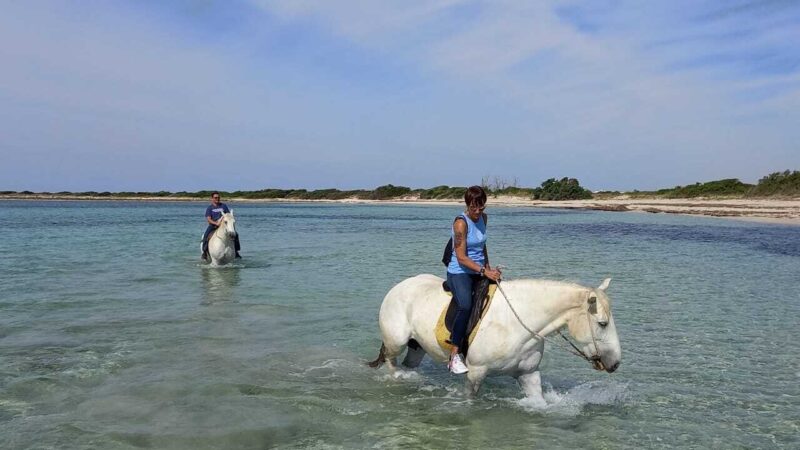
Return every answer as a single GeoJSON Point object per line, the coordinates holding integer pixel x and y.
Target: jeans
{"type": "Point", "coordinates": [462, 285]}
{"type": "Point", "coordinates": [210, 229]}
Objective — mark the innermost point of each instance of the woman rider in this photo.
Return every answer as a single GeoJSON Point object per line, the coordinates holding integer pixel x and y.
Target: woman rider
{"type": "Point", "coordinates": [469, 263]}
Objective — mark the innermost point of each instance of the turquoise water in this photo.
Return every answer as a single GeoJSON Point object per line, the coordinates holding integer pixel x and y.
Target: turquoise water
{"type": "Point", "coordinates": [113, 336]}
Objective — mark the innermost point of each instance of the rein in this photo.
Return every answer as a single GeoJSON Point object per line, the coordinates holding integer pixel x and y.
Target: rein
{"type": "Point", "coordinates": [594, 359]}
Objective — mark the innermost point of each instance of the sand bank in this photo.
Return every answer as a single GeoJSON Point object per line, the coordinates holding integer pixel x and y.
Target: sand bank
{"type": "Point", "coordinates": [762, 210]}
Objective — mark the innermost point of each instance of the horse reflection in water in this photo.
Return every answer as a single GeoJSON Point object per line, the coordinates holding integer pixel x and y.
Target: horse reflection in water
{"type": "Point", "coordinates": [218, 284]}
{"type": "Point", "coordinates": [510, 338]}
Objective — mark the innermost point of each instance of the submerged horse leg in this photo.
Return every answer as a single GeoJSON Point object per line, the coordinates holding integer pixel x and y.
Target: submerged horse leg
{"type": "Point", "coordinates": [531, 384]}
{"type": "Point", "coordinates": [414, 355]}
{"type": "Point", "coordinates": [392, 352]}
{"type": "Point", "coordinates": [386, 356]}
{"type": "Point", "coordinates": [475, 378]}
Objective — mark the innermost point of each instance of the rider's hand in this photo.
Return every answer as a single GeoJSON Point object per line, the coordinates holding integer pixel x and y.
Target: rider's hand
{"type": "Point", "coordinates": [493, 274]}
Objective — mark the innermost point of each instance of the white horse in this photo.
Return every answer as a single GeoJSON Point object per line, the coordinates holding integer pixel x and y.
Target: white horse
{"type": "Point", "coordinates": [510, 337]}
{"type": "Point", "coordinates": [221, 241]}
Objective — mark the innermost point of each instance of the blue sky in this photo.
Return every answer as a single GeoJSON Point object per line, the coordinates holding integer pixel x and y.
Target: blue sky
{"type": "Point", "coordinates": [188, 95]}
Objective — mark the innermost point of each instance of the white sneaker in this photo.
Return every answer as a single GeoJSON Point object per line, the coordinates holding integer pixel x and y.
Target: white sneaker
{"type": "Point", "coordinates": [457, 365]}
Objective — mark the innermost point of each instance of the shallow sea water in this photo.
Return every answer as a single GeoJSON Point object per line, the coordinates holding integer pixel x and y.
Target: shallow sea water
{"type": "Point", "coordinates": [112, 335]}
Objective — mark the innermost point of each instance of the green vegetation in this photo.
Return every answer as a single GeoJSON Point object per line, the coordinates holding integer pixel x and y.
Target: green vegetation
{"type": "Point", "coordinates": [563, 189]}
{"type": "Point", "coordinates": [442, 193]}
{"type": "Point", "coordinates": [778, 184]}
{"type": "Point", "coordinates": [513, 191]}
{"type": "Point", "coordinates": [783, 184]}
{"type": "Point", "coordinates": [730, 187]}
{"type": "Point", "coordinates": [389, 191]}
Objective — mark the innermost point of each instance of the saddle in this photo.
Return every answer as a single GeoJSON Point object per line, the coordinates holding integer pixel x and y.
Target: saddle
{"type": "Point", "coordinates": [481, 301]}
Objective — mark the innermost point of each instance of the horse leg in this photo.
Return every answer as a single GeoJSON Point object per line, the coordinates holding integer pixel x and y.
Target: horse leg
{"type": "Point", "coordinates": [391, 354]}
{"type": "Point", "coordinates": [414, 355]}
{"type": "Point", "coordinates": [531, 384]}
{"type": "Point", "coordinates": [387, 355]}
{"type": "Point", "coordinates": [475, 378]}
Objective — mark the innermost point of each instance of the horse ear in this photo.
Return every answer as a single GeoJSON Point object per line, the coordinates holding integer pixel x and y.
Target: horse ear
{"type": "Point", "coordinates": [604, 284]}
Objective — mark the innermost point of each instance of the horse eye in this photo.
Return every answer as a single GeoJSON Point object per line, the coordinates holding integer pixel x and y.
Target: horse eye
{"type": "Point", "coordinates": [603, 323]}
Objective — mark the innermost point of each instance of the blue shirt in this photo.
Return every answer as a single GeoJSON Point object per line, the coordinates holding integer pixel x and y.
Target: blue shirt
{"type": "Point", "coordinates": [216, 211]}
{"type": "Point", "coordinates": [476, 240]}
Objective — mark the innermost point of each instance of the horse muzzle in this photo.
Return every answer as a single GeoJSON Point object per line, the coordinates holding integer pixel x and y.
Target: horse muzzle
{"type": "Point", "coordinates": [598, 364]}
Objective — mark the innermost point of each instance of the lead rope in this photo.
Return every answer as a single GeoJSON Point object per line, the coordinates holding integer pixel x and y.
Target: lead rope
{"type": "Point", "coordinates": [576, 351]}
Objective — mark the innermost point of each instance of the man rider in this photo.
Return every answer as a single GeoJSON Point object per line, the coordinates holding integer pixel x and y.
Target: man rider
{"type": "Point", "coordinates": [214, 213]}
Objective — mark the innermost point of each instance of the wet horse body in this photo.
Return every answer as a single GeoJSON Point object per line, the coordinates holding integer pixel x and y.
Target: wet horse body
{"type": "Point", "coordinates": [510, 337]}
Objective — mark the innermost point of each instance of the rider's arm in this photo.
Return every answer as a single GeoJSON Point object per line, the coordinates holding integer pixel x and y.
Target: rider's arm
{"type": "Point", "coordinates": [211, 222]}
{"type": "Point", "coordinates": [460, 245]}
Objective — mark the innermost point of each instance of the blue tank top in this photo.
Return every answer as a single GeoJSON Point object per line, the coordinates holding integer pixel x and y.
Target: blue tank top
{"type": "Point", "coordinates": [476, 239]}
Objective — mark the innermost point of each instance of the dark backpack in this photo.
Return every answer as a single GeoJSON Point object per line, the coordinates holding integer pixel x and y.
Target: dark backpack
{"type": "Point", "coordinates": [448, 253]}
{"type": "Point", "coordinates": [448, 249]}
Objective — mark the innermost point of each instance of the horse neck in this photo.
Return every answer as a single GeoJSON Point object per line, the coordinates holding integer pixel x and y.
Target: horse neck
{"type": "Point", "coordinates": [221, 232]}
{"type": "Point", "coordinates": [543, 306]}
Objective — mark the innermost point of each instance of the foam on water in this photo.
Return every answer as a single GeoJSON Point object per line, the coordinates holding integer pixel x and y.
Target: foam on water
{"type": "Point", "coordinates": [400, 374]}
{"type": "Point", "coordinates": [572, 401]}
{"type": "Point", "coordinates": [328, 369]}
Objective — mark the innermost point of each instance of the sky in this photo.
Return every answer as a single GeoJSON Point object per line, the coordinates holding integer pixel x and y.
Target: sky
{"type": "Point", "coordinates": [187, 95]}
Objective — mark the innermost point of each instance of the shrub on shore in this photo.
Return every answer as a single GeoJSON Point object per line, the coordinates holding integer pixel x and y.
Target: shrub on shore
{"type": "Point", "coordinates": [389, 191]}
{"type": "Point", "coordinates": [442, 193]}
{"type": "Point", "coordinates": [563, 189]}
{"type": "Point", "coordinates": [785, 183]}
{"type": "Point", "coordinates": [513, 191]}
{"type": "Point", "coordinates": [779, 184]}
{"type": "Point", "coordinates": [730, 187]}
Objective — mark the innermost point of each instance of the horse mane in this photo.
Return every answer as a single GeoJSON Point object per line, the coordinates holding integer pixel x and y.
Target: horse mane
{"type": "Point", "coordinates": [547, 283]}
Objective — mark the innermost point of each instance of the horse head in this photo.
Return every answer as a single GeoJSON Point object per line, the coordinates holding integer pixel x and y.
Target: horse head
{"type": "Point", "coordinates": [229, 224]}
{"type": "Point", "coordinates": [593, 327]}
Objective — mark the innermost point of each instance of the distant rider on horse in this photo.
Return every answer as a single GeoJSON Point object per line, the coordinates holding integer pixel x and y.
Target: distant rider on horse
{"type": "Point", "coordinates": [214, 213]}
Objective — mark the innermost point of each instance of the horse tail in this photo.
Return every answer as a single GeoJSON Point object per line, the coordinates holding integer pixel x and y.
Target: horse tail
{"type": "Point", "coordinates": [380, 359]}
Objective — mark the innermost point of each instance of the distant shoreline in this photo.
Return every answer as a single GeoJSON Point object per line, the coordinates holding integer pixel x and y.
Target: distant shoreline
{"type": "Point", "coordinates": [760, 210]}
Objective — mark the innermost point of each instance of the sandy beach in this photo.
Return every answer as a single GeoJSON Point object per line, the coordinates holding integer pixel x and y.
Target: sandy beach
{"type": "Point", "coordinates": [783, 211]}
{"type": "Point", "coordinates": [761, 210]}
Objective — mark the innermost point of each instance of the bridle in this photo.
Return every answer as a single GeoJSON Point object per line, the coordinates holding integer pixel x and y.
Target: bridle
{"type": "Point", "coordinates": [594, 360]}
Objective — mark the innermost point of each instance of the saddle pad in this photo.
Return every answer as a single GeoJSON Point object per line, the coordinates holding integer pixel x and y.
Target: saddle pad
{"type": "Point", "coordinates": [443, 334]}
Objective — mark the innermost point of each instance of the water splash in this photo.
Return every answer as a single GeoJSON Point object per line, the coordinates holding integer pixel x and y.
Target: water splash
{"type": "Point", "coordinates": [572, 401]}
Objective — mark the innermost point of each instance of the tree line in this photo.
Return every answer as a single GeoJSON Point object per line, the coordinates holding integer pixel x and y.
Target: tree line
{"type": "Point", "coordinates": [778, 184]}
